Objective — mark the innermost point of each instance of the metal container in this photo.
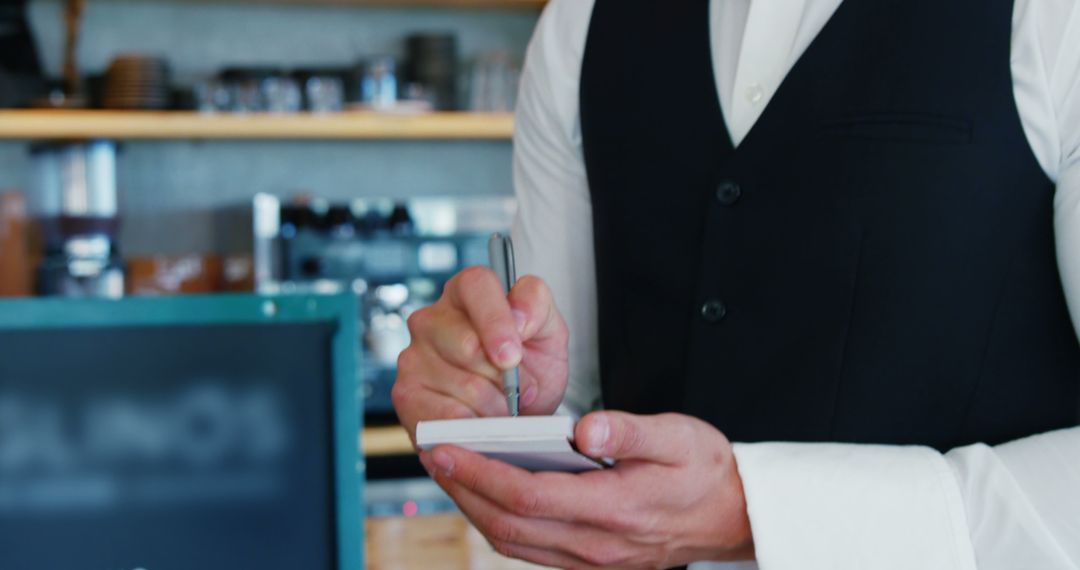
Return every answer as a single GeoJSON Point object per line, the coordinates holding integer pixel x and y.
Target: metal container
{"type": "Point", "coordinates": [74, 201]}
{"type": "Point", "coordinates": [75, 179]}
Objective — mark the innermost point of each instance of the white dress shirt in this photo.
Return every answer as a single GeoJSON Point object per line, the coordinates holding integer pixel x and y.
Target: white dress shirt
{"type": "Point", "coordinates": [835, 506]}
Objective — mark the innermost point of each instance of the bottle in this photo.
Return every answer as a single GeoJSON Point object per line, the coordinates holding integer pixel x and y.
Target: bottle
{"type": "Point", "coordinates": [401, 222]}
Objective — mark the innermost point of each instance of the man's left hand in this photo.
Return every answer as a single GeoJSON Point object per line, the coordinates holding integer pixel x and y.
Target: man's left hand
{"type": "Point", "coordinates": [673, 497]}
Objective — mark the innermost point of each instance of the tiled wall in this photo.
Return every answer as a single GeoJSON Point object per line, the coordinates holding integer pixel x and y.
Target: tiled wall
{"type": "Point", "coordinates": [171, 190]}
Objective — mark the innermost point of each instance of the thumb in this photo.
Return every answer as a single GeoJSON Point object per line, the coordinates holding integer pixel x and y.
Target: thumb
{"type": "Point", "coordinates": [665, 438]}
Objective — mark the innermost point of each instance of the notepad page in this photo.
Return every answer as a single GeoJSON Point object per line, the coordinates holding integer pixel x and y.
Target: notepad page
{"type": "Point", "coordinates": [536, 443]}
{"type": "Point", "coordinates": [496, 429]}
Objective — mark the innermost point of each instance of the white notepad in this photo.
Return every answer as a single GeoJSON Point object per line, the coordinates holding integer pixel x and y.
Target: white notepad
{"type": "Point", "coordinates": [535, 443]}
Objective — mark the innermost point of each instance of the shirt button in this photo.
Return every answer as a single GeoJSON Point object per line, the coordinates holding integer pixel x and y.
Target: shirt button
{"type": "Point", "coordinates": [755, 93]}
{"type": "Point", "coordinates": [713, 311]}
{"type": "Point", "coordinates": [728, 193]}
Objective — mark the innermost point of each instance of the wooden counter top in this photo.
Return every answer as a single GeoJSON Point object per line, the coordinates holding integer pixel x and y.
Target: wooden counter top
{"type": "Point", "coordinates": [445, 542]}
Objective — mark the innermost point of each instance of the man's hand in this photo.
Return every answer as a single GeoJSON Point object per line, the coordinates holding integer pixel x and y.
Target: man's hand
{"type": "Point", "coordinates": [460, 345]}
{"type": "Point", "coordinates": [674, 497]}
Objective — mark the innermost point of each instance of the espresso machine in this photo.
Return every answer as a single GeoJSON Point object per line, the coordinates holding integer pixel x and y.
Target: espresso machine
{"type": "Point", "coordinates": [74, 203]}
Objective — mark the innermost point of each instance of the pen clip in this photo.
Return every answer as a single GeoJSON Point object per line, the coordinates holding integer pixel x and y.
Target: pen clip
{"type": "Point", "coordinates": [511, 265]}
{"type": "Point", "coordinates": [501, 252]}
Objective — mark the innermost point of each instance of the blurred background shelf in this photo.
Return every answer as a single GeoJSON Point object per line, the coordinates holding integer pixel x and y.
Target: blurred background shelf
{"type": "Point", "coordinates": [386, 440]}
{"type": "Point", "coordinates": [128, 125]}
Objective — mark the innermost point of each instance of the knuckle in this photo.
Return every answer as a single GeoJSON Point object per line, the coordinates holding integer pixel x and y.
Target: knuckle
{"type": "Point", "coordinates": [502, 529]}
{"type": "Point", "coordinates": [633, 439]}
{"type": "Point", "coordinates": [686, 432]}
{"type": "Point", "coordinates": [681, 428]}
{"type": "Point", "coordinates": [469, 478]}
{"type": "Point", "coordinates": [534, 289]}
{"type": "Point", "coordinates": [407, 362]}
{"type": "Point", "coordinates": [399, 395]}
{"type": "Point", "coordinates": [502, 548]}
{"type": "Point", "coordinates": [473, 277]}
{"type": "Point", "coordinates": [648, 525]}
{"type": "Point", "coordinates": [600, 554]}
{"type": "Point", "coordinates": [537, 298]}
{"type": "Point", "coordinates": [469, 347]}
{"type": "Point", "coordinates": [668, 418]}
{"type": "Point", "coordinates": [688, 435]}
{"type": "Point", "coordinates": [419, 321]}
{"type": "Point", "coordinates": [562, 332]}
{"type": "Point", "coordinates": [475, 386]}
{"type": "Point", "coordinates": [493, 324]}
{"type": "Point", "coordinates": [479, 391]}
{"type": "Point", "coordinates": [455, 411]}
{"type": "Point", "coordinates": [625, 522]}
{"type": "Point", "coordinates": [527, 502]}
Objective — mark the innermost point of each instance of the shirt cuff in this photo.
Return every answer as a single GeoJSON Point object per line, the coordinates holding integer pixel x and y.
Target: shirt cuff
{"type": "Point", "coordinates": [842, 506]}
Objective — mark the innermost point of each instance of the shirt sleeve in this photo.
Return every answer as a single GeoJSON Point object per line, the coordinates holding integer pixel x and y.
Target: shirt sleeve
{"type": "Point", "coordinates": [840, 507]}
{"type": "Point", "coordinates": [1023, 501]}
{"type": "Point", "coordinates": [1063, 80]}
{"type": "Point", "coordinates": [553, 230]}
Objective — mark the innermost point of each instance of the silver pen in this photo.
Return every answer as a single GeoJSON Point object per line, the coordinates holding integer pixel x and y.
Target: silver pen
{"type": "Point", "coordinates": [501, 253]}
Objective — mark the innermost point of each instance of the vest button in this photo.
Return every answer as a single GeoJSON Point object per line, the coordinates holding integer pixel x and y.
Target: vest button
{"type": "Point", "coordinates": [713, 311]}
{"type": "Point", "coordinates": [728, 193]}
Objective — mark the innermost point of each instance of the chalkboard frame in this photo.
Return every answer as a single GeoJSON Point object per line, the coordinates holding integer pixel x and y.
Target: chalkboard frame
{"type": "Point", "coordinates": [244, 309]}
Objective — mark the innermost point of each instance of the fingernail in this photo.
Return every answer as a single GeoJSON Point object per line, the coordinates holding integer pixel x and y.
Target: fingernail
{"type": "Point", "coordinates": [599, 434]}
{"type": "Point", "coordinates": [521, 319]}
{"type": "Point", "coordinates": [508, 355]}
{"type": "Point", "coordinates": [443, 461]}
{"type": "Point", "coordinates": [529, 396]}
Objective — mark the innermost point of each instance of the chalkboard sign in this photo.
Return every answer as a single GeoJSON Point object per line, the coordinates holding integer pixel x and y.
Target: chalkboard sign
{"type": "Point", "coordinates": [199, 432]}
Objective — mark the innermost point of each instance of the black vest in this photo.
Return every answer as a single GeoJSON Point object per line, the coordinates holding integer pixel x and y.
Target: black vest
{"type": "Point", "coordinates": [874, 263]}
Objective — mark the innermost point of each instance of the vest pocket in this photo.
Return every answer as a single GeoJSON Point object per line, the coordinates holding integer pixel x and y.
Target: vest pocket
{"type": "Point", "coordinates": [900, 127]}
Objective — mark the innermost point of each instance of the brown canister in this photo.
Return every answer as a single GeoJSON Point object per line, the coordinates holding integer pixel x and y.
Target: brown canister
{"type": "Point", "coordinates": [16, 263]}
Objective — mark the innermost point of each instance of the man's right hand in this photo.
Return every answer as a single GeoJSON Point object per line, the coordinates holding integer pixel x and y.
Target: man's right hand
{"type": "Point", "coordinates": [461, 344]}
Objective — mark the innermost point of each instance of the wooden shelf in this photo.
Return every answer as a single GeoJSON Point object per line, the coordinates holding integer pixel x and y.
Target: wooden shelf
{"type": "Point", "coordinates": [466, 4]}
{"type": "Point", "coordinates": [449, 4]}
{"type": "Point", "coordinates": [383, 441]}
{"type": "Point", "coordinates": [153, 125]}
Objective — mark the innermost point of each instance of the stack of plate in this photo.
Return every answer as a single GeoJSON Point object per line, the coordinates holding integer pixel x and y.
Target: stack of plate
{"type": "Point", "coordinates": [137, 82]}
